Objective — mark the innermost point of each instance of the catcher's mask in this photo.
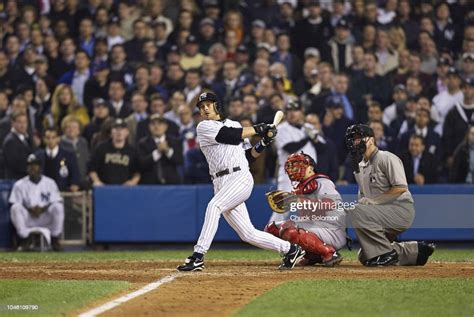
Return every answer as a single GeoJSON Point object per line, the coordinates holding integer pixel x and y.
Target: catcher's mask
{"type": "Point", "coordinates": [296, 166]}
{"type": "Point", "coordinates": [357, 136]}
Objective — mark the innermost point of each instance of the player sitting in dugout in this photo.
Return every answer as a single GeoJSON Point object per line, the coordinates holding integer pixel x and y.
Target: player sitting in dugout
{"type": "Point", "coordinates": [317, 218]}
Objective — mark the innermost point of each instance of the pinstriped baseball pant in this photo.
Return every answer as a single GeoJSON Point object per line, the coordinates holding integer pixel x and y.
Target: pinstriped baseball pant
{"type": "Point", "coordinates": [230, 193]}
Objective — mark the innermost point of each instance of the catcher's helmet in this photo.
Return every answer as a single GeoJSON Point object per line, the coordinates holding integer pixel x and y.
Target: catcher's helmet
{"type": "Point", "coordinates": [209, 96]}
{"type": "Point", "coordinates": [358, 131]}
{"type": "Point", "coordinates": [296, 164]}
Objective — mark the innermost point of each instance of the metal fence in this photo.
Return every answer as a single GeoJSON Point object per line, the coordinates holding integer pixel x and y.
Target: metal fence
{"type": "Point", "coordinates": [78, 218]}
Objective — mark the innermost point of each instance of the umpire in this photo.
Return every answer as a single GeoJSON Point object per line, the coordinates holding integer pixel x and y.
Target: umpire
{"type": "Point", "coordinates": [385, 206]}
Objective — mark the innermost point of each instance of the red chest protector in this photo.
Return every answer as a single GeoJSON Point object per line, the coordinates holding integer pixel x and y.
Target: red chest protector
{"type": "Point", "coordinates": [308, 186]}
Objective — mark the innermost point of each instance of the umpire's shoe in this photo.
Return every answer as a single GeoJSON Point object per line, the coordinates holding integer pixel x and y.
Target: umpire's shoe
{"type": "Point", "coordinates": [293, 256]}
{"type": "Point", "coordinates": [387, 259]}
{"type": "Point", "coordinates": [425, 250]}
{"type": "Point", "coordinates": [191, 264]}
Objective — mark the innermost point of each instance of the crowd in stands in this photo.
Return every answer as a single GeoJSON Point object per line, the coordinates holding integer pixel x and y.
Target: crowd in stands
{"type": "Point", "coordinates": [104, 91]}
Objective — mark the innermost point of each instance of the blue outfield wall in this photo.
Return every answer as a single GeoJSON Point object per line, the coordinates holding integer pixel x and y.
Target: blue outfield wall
{"type": "Point", "coordinates": [176, 213]}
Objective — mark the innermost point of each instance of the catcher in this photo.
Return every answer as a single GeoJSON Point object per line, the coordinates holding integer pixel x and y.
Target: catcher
{"type": "Point", "coordinates": [317, 219]}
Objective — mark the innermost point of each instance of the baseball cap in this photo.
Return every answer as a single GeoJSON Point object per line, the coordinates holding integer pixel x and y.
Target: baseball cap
{"type": "Point", "coordinates": [33, 159]}
{"type": "Point", "coordinates": [41, 59]}
{"type": "Point", "coordinates": [210, 3]}
{"type": "Point", "coordinates": [453, 71]}
{"type": "Point", "coordinates": [311, 51]}
{"type": "Point", "coordinates": [206, 21]}
{"type": "Point", "coordinates": [100, 102]}
{"type": "Point", "coordinates": [467, 57]}
{"type": "Point", "coordinates": [264, 46]}
{"type": "Point", "coordinates": [334, 102]}
{"type": "Point", "coordinates": [342, 23]}
{"type": "Point", "coordinates": [469, 81]}
{"type": "Point", "coordinates": [242, 49]}
{"type": "Point", "coordinates": [399, 87]}
{"type": "Point", "coordinates": [191, 39]}
{"type": "Point", "coordinates": [444, 61]}
{"type": "Point", "coordinates": [119, 123]}
{"type": "Point", "coordinates": [157, 117]}
{"type": "Point", "coordinates": [293, 3]}
{"type": "Point", "coordinates": [293, 105]}
{"type": "Point", "coordinates": [259, 24]}
{"type": "Point", "coordinates": [101, 66]}
{"type": "Point", "coordinates": [114, 20]}
{"type": "Point", "coordinates": [174, 49]}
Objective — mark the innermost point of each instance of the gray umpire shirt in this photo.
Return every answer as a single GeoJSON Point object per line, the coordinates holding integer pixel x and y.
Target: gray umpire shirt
{"type": "Point", "coordinates": [382, 171]}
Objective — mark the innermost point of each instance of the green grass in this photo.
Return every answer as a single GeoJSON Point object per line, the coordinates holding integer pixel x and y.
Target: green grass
{"type": "Point", "coordinates": [446, 255]}
{"type": "Point", "coordinates": [365, 298]}
{"type": "Point", "coordinates": [53, 297]}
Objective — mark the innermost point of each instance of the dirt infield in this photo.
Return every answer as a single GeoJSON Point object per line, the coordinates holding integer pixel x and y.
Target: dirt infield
{"type": "Point", "coordinates": [221, 289]}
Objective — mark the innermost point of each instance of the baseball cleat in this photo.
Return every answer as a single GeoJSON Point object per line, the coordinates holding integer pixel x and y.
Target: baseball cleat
{"type": "Point", "coordinates": [191, 264]}
{"type": "Point", "coordinates": [334, 260]}
{"type": "Point", "coordinates": [425, 250]}
{"type": "Point", "coordinates": [387, 259]}
{"type": "Point", "coordinates": [293, 256]}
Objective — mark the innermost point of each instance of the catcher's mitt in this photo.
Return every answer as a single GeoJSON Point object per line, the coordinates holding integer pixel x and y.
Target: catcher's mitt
{"type": "Point", "coordinates": [278, 200]}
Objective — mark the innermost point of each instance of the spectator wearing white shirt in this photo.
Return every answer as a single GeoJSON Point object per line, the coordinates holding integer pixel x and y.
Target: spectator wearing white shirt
{"type": "Point", "coordinates": [445, 100]}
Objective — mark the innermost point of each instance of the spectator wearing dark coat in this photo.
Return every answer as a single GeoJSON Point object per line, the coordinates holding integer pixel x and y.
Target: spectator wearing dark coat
{"type": "Point", "coordinates": [327, 159]}
{"type": "Point", "coordinates": [420, 166]}
{"type": "Point", "coordinates": [96, 87]}
{"type": "Point", "coordinates": [462, 170]}
{"type": "Point", "coordinates": [423, 128]}
{"type": "Point", "coordinates": [458, 120]}
{"type": "Point", "coordinates": [58, 163]}
{"type": "Point", "coordinates": [160, 155]}
{"type": "Point", "coordinates": [134, 47]}
{"type": "Point", "coordinates": [16, 147]}
{"type": "Point", "coordinates": [119, 107]}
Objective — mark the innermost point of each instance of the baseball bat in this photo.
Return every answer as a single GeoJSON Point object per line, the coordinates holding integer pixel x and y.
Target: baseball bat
{"type": "Point", "coordinates": [276, 120]}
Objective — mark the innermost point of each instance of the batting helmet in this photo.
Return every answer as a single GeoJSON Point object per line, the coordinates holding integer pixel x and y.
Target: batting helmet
{"type": "Point", "coordinates": [209, 96]}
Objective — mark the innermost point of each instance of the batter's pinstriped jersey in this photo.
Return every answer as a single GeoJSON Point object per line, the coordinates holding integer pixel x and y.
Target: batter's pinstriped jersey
{"type": "Point", "coordinates": [221, 156]}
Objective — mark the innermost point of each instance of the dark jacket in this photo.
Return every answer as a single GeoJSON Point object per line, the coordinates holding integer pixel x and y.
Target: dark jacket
{"type": "Point", "coordinates": [460, 167]}
{"type": "Point", "coordinates": [15, 154]}
{"type": "Point", "coordinates": [427, 168]}
{"type": "Point", "coordinates": [432, 141]}
{"type": "Point", "coordinates": [63, 168]}
{"type": "Point", "coordinates": [163, 171]}
{"type": "Point", "coordinates": [455, 127]}
{"type": "Point", "coordinates": [327, 161]}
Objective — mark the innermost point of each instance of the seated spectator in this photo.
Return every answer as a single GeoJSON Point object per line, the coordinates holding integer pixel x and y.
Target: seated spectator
{"type": "Point", "coordinates": [341, 85]}
{"type": "Point", "coordinates": [18, 105]}
{"type": "Point", "coordinates": [369, 87]}
{"type": "Point", "coordinates": [100, 114]}
{"type": "Point", "coordinates": [250, 107]}
{"type": "Point", "coordinates": [462, 170]}
{"type": "Point", "coordinates": [159, 155]}
{"type": "Point", "coordinates": [72, 141]}
{"type": "Point", "coordinates": [96, 87]}
{"type": "Point", "coordinates": [139, 106]}
{"type": "Point", "coordinates": [384, 142]}
{"type": "Point", "coordinates": [399, 96]}
{"type": "Point", "coordinates": [114, 161]}
{"type": "Point", "coordinates": [119, 68]}
{"type": "Point", "coordinates": [134, 46]}
{"type": "Point", "coordinates": [191, 58]}
{"type": "Point", "coordinates": [192, 81]}
{"type": "Point", "coordinates": [328, 162]}
{"type": "Point", "coordinates": [236, 109]}
{"type": "Point", "coordinates": [386, 56]}
{"type": "Point", "coordinates": [119, 107]}
{"type": "Point", "coordinates": [64, 103]}
{"type": "Point", "coordinates": [158, 106]}
{"type": "Point", "coordinates": [457, 121]}
{"type": "Point", "coordinates": [141, 82]}
{"type": "Point", "coordinates": [58, 163]}
{"type": "Point", "coordinates": [335, 124]}
{"type": "Point", "coordinates": [187, 128]}
{"type": "Point", "coordinates": [446, 100]}
{"type": "Point", "coordinates": [36, 202]}
{"type": "Point", "coordinates": [17, 146]}
{"type": "Point", "coordinates": [423, 128]}
{"type": "Point", "coordinates": [267, 112]}
{"type": "Point", "coordinates": [78, 77]}
{"type": "Point", "coordinates": [228, 87]}
{"type": "Point", "coordinates": [420, 166]}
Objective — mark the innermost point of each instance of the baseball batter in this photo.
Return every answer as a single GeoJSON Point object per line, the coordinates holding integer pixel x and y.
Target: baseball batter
{"type": "Point", "coordinates": [227, 150]}
{"type": "Point", "coordinates": [36, 202]}
{"type": "Point", "coordinates": [319, 228]}
{"type": "Point", "coordinates": [385, 206]}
